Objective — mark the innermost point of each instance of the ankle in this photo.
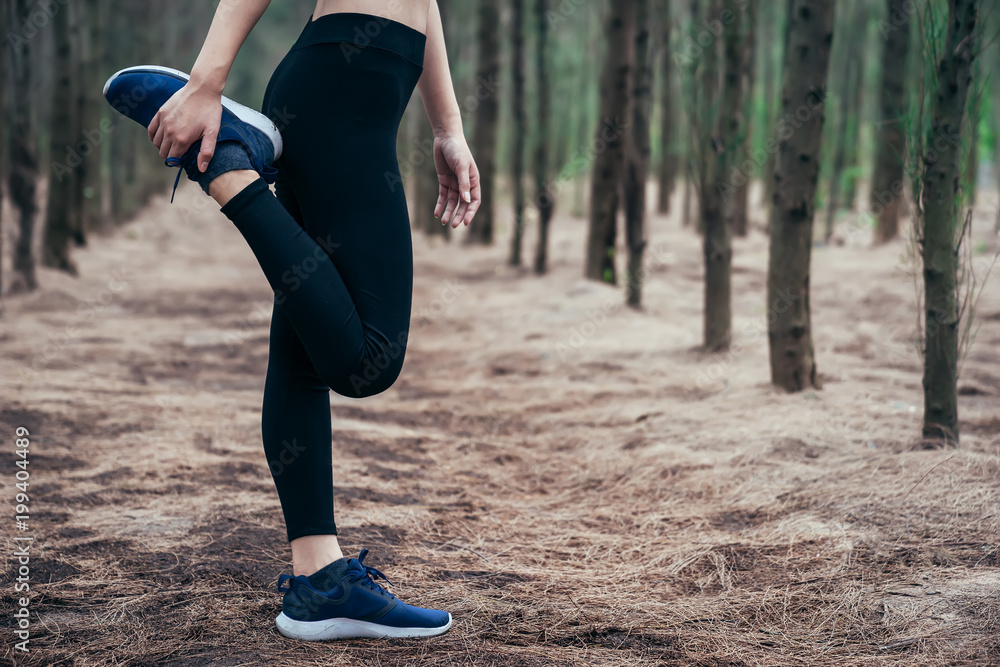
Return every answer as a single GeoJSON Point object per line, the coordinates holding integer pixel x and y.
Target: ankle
{"type": "Point", "coordinates": [226, 186]}
{"type": "Point", "coordinates": [314, 552]}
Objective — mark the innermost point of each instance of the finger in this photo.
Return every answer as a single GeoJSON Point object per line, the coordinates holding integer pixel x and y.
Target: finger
{"type": "Point", "coordinates": [459, 214]}
{"type": "Point", "coordinates": [450, 206]}
{"type": "Point", "coordinates": [179, 147]}
{"type": "Point", "coordinates": [207, 149]}
{"type": "Point", "coordinates": [471, 213]}
{"type": "Point", "coordinates": [442, 198]}
{"type": "Point", "coordinates": [154, 126]}
{"type": "Point", "coordinates": [464, 184]}
{"type": "Point", "coordinates": [158, 136]}
{"type": "Point", "coordinates": [477, 199]}
{"type": "Point", "coordinates": [165, 147]}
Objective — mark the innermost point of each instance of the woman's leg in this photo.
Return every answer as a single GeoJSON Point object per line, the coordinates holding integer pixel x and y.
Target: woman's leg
{"type": "Point", "coordinates": [295, 426]}
{"type": "Point", "coordinates": [356, 354]}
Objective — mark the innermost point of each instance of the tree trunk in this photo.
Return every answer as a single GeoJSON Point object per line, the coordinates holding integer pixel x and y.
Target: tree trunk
{"type": "Point", "coordinates": [887, 182]}
{"type": "Point", "coordinates": [970, 174]}
{"type": "Point", "coordinates": [64, 176]}
{"type": "Point", "coordinates": [543, 196]}
{"type": "Point", "coordinates": [846, 89]}
{"type": "Point", "coordinates": [718, 202]}
{"type": "Point", "coordinates": [23, 157]}
{"type": "Point", "coordinates": [940, 220]}
{"type": "Point", "coordinates": [749, 70]}
{"type": "Point", "coordinates": [704, 111]}
{"type": "Point", "coordinates": [637, 168]}
{"type": "Point", "coordinates": [86, 105]}
{"type": "Point", "coordinates": [4, 69]}
{"type": "Point", "coordinates": [772, 157]}
{"type": "Point", "coordinates": [520, 132]}
{"type": "Point", "coordinates": [686, 201]}
{"type": "Point", "coordinates": [92, 110]}
{"type": "Point", "coordinates": [609, 163]}
{"type": "Point", "coordinates": [793, 364]}
{"type": "Point", "coordinates": [484, 139]}
{"type": "Point", "coordinates": [668, 163]}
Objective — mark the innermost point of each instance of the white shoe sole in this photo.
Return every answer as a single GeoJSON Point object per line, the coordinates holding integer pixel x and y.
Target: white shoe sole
{"type": "Point", "coordinates": [347, 628]}
{"type": "Point", "coordinates": [244, 113]}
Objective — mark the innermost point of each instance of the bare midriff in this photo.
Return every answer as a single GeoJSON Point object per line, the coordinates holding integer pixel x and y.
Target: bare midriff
{"type": "Point", "coordinates": [412, 13]}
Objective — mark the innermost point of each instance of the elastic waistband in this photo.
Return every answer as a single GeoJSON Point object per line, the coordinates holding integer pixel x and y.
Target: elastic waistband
{"type": "Point", "coordinates": [363, 31]}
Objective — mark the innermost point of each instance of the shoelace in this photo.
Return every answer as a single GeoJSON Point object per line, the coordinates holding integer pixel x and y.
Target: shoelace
{"type": "Point", "coordinates": [368, 576]}
{"type": "Point", "coordinates": [365, 576]}
{"type": "Point", "coordinates": [185, 161]}
{"type": "Point", "coordinates": [189, 161]}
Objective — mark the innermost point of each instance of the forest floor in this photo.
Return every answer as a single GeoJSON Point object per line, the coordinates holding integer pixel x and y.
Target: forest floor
{"type": "Point", "coordinates": [575, 481]}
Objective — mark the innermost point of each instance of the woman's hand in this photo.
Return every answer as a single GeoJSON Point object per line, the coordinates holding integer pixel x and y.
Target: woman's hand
{"type": "Point", "coordinates": [194, 112]}
{"type": "Point", "coordinates": [459, 194]}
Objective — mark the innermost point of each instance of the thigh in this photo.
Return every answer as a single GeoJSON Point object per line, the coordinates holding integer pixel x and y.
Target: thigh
{"type": "Point", "coordinates": [339, 167]}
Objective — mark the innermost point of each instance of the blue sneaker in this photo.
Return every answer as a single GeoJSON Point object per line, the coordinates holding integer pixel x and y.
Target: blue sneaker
{"type": "Point", "coordinates": [342, 600]}
{"type": "Point", "coordinates": [139, 92]}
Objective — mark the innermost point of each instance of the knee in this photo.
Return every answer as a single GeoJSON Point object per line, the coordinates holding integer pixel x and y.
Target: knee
{"type": "Point", "coordinates": [378, 370]}
{"type": "Point", "coordinates": [375, 376]}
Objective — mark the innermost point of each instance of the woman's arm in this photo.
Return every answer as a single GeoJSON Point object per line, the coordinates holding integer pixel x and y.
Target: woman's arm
{"type": "Point", "coordinates": [195, 111]}
{"type": "Point", "coordinates": [459, 194]}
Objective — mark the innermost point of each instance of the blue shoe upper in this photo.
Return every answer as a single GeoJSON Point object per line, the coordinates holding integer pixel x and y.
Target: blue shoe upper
{"type": "Point", "coordinates": [138, 94]}
{"type": "Point", "coordinates": [357, 596]}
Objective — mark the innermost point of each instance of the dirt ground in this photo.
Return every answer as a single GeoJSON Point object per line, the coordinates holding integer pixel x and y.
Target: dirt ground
{"type": "Point", "coordinates": [573, 480]}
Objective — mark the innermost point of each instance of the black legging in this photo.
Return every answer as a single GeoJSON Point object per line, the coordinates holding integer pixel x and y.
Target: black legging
{"type": "Point", "coordinates": [334, 245]}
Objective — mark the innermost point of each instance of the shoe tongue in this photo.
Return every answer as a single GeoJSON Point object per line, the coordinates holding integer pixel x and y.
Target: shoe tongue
{"type": "Point", "coordinates": [330, 575]}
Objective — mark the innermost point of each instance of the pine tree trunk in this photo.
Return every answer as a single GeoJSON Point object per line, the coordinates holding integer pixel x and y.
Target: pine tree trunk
{"type": "Point", "coordinates": [846, 90]}
{"type": "Point", "coordinates": [23, 157]}
{"type": "Point", "coordinates": [668, 163]}
{"type": "Point", "coordinates": [92, 109]}
{"type": "Point", "coordinates": [888, 179]}
{"type": "Point", "coordinates": [772, 158]}
{"type": "Point", "coordinates": [543, 196]}
{"type": "Point", "coordinates": [84, 103]}
{"type": "Point", "coordinates": [102, 21]}
{"type": "Point", "coordinates": [705, 117]}
{"type": "Point", "coordinates": [686, 200]}
{"type": "Point", "coordinates": [64, 176]}
{"type": "Point", "coordinates": [520, 132]}
{"type": "Point", "coordinates": [793, 364]}
{"type": "Point", "coordinates": [718, 205]}
{"type": "Point", "coordinates": [970, 173]}
{"type": "Point", "coordinates": [4, 69]}
{"type": "Point", "coordinates": [484, 139]}
{"type": "Point", "coordinates": [749, 70]}
{"type": "Point", "coordinates": [940, 221]}
{"type": "Point", "coordinates": [608, 164]}
{"type": "Point", "coordinates": [637, 167]}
